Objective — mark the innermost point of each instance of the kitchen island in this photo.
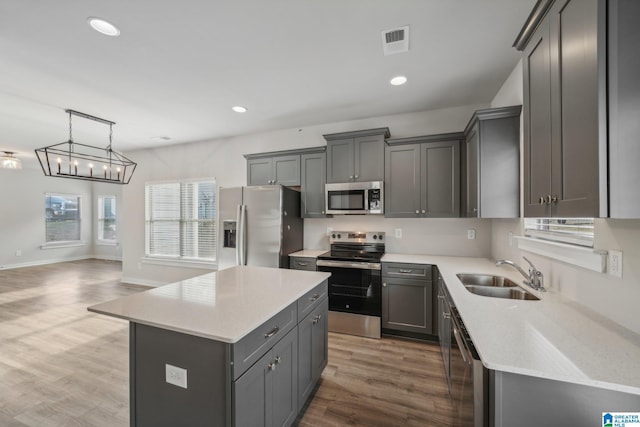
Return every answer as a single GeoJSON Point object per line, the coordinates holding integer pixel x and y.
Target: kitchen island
{"type": "Point", "coordinates": [241, 346]}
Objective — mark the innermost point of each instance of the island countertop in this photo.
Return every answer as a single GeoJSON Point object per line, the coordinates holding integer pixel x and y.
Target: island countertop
{"type": "Point", "coordinates": [224, 305]}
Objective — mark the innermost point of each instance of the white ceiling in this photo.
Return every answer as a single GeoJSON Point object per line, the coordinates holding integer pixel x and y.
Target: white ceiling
{"type": "Point", "coordinates": [179, 66]}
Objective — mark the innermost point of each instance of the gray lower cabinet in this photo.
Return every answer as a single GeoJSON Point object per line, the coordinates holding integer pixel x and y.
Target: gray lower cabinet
{"type": "Point", "coordinates": [313, 172]}
{"type": "Point", "coordinates": [283, 170]}
{"type": "Point", "coordinates": [312, 350]}
{"type": "Point", "coordinates": [356, 156]}
{"type": "Point", "coordinates": [565, 111]}
{"type": "Point", "coordinates": [267, 393]}
{"type": "Point", "coordinates": [302, 263]}
{"type": "Point", "coordinates": [422, 176]}
{"type": "Point", "coordinates": [407, 298]}
{"type": "Point", "coordinates": [492, 162]}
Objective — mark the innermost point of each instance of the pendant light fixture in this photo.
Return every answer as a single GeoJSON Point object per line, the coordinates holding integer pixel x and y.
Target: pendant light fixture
{"type": "Point", "coordinates": [80, 161]}
{"type": "Point", "coordinates": [9, 161]}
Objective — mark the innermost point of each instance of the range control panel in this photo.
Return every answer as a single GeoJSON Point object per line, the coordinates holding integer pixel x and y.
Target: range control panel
{"type": "Point", "coordinates": [357, 237]}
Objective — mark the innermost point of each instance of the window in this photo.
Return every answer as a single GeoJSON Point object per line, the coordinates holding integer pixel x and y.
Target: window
{"type": "Point", "coordinates": [575, 231]}
{"type": "Point", "coordinates": [180, 220]}
{"type": "Point", "coordinates": [107, 219]}
{"type": "Point", "coordinates": [62, 218]}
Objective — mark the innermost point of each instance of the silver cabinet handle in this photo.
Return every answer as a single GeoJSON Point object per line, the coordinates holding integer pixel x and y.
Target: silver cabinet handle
{"type": "Point", "coordinates": [423, 211]}
{"type": "Point", "coordinates": [405, 271]}
{"type": "Point", "coordinates": [322, 212]}
{"type": "Point", "coordinates": [541, 200]}
{"type": "Point", "coordinates": [356, 177]}
{"type": "Point", "coordinates": [272, 332]}
{"type": "Point", "coordinates": [440, 296]}
{"type": "Point", "coordinates": [272, 366]}
{"type": "Point", "coordinates": [350, 176]}
{"type": "Point", "coordinates": [303, 263]}
{"type": "Point", "coordinates": [317, 319]}
{"type": "Point", "coordinates": [314, 297]}
{"type": "Point", "coordinates": [446, 315]}
{"type": "Point", "coordinates": [475, 209]}
{"type": "Point", "coordinates": [417, 211]}
{"type": "Point", "coordinates": [278, 360]}
{"type": "Point", "coordinates": [384, 285]}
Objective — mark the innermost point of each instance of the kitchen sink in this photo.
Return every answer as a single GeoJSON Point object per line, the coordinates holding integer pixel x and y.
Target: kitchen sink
{"type": "Point", "coordinates": [502, 292]}
{"type": "Point", "coordinates": [486, 280]}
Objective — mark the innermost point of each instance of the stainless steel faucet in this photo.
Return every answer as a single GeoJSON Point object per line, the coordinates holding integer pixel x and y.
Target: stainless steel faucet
{"type": "Point", "coordinates": [535, 279]}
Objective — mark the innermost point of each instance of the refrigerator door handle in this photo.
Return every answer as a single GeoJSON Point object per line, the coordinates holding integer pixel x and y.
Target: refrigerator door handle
{"type": "Point", "coordinates": [242, 210]}
{"type": "Point", "coordinates": [238, 233]}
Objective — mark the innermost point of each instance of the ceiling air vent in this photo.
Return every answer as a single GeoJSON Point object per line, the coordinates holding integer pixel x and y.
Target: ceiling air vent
{"type": "Point", "coordinates": [395, 40]}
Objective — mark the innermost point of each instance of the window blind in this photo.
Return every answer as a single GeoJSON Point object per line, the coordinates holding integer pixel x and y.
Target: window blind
{"type": "Point", "coordinates": [180, 220]}
{"type": "Point", "coordinates": [107, 218]}
{"type": "Point", "coordinates": [575, 231]}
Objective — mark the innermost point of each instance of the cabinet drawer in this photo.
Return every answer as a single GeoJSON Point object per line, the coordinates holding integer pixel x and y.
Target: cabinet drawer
{"type": "Point", "coordinates": [249, 349]}
{"type": "Point", "coordinates": [409, 271]}
{"type": "Point", "coordinates": [309, 301]}
{"type": "Point", "coordinates": [302, 263]}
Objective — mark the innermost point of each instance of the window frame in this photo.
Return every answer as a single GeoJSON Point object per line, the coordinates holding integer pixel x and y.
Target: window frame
{"type": "Point", "coordinates": [181, 259]}
{"type": "Point", "coordinates": [554, 230]}
{"type": "Point", "coordinates": [59, 243]}
{"type": "Point", "coordinates": [100, 221]}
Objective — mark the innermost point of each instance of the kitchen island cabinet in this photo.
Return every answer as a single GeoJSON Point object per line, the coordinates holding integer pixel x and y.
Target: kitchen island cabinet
{"type": "Point", "coordinates": [220, 349]}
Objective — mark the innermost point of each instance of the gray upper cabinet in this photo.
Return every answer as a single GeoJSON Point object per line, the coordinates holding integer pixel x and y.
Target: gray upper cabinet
{"type": "Point", "coordinates": [492, 160]}
{"type": "Point", "coordinates": [422, 176]}
{"type": "Point", "coordinates": [284, 170]}
{"type": "Point", "coordinates": [356, 156]}
{"type": "Point", "coordinates": [565, 109]}
{"type": "Point", "coordinates": [313, 172]}
{"type": "Point", "coordinates": [624, 108]}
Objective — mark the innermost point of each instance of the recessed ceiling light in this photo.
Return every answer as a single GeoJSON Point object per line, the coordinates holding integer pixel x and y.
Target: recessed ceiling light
{"type": "Point", "coordinates": [102, 26]}
{"type": "Point", "coordinates": [239, 109]}
{"type": "Point", "coordinates": [398, 80]}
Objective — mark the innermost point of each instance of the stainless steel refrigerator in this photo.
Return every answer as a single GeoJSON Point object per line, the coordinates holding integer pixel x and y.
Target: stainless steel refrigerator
{"type": "Point", "coordinates": [258, 226]}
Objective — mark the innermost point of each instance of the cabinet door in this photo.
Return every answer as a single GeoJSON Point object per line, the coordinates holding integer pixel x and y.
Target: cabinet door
{"type": "Point", "coordinates": [440, 179]}
{"type": "Point", "coordinates": [313, 178]}
{"type": "Point", "coordinates": [369, 158]}
{"type": "Point", "coordinates": [250, 393]}
{"type": "Point", "coordinates": [624, 108]}
{"type": "Point", "coordinates": [312, 351]}
{"type": "Point", "coordinates": [472, 159]}
{"type": "Point", "coordinates": [537, 123]}
{"type": "Point", "coordinates": [284, 380]}
{"type": "Point", "coordinates": [259, 171]}
{"type": "Point", "coordinates": [402, 181]}
{"type": "Point", "coordinates": [340, 161]}
{"type": "Point", "coordinates": [286, 170]}
{"type": "Point", "coordinates": [575, 169]}
{"type": "Point", "coordinates": [407, 305]}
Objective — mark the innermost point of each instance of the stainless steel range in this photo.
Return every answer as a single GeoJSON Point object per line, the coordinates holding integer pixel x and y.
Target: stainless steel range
{"type": "Point", "coordinates": [355, 285]}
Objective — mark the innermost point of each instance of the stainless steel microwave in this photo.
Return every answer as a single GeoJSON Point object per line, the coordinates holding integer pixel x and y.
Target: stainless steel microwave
{"type": "Point", "coordinates": [355, 198]}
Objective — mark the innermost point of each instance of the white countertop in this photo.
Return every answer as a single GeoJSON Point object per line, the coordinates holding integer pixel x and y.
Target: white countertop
{"type": "Point", "coordinates": [309, 253]}
{"type": "Point", "coordinates": [224, 306]}
{"type": "Point", "coordinates": [553, 338]}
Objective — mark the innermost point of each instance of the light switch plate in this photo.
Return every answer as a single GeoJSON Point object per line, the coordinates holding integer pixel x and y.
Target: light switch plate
{"type": "Point", "coordinates": [471, 234]}
{"type": "Point", "coordinates": [398, 233]}
{"type": "Point", "coordinates": [176, 376]}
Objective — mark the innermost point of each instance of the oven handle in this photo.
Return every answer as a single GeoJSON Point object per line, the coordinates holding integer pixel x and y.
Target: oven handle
{"type": "Point", "coordinates": [346, 264]}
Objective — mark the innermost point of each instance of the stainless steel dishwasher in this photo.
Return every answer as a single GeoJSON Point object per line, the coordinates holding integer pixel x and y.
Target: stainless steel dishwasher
{"type": "Point", "coordinates": [468, 378]}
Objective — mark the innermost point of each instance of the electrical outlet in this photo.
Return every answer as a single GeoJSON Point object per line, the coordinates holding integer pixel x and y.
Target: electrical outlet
{"type": "Point", "coordinates": [176, 376]}
{"type": "Point", "coordinates": [511, 238]}
{"type": "Point", "coordinates": [398, 233]}
{"type": "Point", "coordinates": [614, 263]}
{"type": "Point", "coordinates": [471, 234]}
{"type": "Point", "coordinates": [18, 252]}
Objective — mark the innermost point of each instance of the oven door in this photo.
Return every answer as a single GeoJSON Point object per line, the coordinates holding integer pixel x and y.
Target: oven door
{"type": "Point", "coordinates": [354, 287]}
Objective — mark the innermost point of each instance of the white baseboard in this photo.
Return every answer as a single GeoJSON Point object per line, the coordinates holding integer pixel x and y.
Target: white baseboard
{"type": "Point", "coordinates": [107, 257]}
{"type": "Point", "coordinates": [44, 262]}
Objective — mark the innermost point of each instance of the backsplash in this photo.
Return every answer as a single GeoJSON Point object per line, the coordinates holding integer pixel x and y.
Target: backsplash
{"type": "Point", "coordinates": [438, 236]}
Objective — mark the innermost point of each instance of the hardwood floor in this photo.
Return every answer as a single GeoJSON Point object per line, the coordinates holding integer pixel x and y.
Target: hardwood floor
{"type": "Point", "coordinates": [63, 366]}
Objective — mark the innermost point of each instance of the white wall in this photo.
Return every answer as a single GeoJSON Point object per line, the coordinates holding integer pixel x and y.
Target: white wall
{"type": "Point", "coordinates": [611, 297]}
{"type": "Point", "coordinates": [223, 160]}
{"type": "Point", "coordinates": [22, 213]}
